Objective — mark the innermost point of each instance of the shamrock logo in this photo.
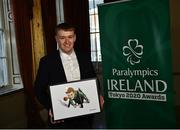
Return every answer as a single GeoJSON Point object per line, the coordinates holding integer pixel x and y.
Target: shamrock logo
{"type": "Point", "coordinates": [133, 51]}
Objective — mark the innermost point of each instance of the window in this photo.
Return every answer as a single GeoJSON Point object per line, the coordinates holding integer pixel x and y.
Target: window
{"type": "Point", "coordinates": [10, 78]}
{"type": "Point", "coordinates": [59, 11]}
{"type": "Point", "coordinates": [94, 30]}
{"type": "Point", "coordinates": [3, 61]}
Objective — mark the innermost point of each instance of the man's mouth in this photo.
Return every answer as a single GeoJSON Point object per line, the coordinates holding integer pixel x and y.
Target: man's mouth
{"type": "Point", "coordinates": [67, 45]}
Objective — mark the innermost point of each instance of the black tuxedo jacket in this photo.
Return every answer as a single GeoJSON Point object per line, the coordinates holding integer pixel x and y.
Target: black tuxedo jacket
{"type": "Point", "coordinates": [51, 72]}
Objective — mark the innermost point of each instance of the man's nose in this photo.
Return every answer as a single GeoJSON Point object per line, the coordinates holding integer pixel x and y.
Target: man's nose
{"type": "Point", "coordinates": [66, 40]}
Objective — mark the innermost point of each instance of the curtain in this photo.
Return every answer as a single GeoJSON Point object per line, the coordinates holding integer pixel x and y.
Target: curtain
{"type": "Point", "coordinates": [22, 13]}
{"type": "Point", "coordinates": [48, 8]}
{"type": "Point", "coordinates": [76, 12]}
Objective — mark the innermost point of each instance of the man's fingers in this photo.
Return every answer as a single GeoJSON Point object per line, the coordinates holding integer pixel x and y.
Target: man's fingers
{"type": "Point", "coordinates": [51, 118]}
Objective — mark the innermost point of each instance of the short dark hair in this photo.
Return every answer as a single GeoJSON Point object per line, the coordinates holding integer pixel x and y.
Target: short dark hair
{"type": "Point", "coordinates": [70, 89]}
{"type": "Point", "coordinates": [65, 26]}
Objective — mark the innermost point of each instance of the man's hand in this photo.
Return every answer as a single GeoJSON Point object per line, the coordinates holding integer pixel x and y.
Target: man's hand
{"type": "Point", "coordinates": [51, 118]}
{"type": "Point", "coordinates": [102, 101]}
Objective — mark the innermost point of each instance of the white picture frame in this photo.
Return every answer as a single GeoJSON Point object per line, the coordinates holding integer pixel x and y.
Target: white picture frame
{"type": "Point", "coordinates": [85, 102]}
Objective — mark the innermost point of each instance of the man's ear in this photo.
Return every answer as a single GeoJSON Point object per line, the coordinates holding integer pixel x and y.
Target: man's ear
{"type": "Point", "coordinates": [56, 38]}
{"type": "Point", "coordinates": [74, 37]}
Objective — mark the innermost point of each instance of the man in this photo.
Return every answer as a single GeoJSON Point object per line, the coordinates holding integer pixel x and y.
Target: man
{"type": "Point", "coordinates": [75, 97]}
{"type": "Point", "coordinates": [64, 65]}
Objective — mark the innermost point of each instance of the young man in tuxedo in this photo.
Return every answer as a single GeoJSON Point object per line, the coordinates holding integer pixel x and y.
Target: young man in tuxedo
{"type": "Point", "coordinates": [63, 65]}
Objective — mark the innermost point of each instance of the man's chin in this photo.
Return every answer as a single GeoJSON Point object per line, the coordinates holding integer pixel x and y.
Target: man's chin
{"type": "Point", "coordinates": [68, 51]}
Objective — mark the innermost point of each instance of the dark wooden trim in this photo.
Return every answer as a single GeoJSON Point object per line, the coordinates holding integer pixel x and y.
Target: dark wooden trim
{"type": "Point", "coordinates": [176, 73]}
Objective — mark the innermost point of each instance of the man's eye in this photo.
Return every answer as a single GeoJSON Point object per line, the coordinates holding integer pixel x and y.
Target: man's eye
{"type": "Point", "coordinates": [61, 38]}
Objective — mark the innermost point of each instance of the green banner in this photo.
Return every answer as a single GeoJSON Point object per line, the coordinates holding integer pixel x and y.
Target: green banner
{"type": "Point", "coordinates": [137, 64]}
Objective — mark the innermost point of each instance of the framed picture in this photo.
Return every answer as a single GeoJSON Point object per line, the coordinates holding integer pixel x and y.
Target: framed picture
{"type": "Point", "coordinates": [74, 99]}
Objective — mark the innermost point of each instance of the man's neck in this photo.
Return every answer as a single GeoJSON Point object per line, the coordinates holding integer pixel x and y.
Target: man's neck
{"type": "Point", "coordinates": [69, 53]}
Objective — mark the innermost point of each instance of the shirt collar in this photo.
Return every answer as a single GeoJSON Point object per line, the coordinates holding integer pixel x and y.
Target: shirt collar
{"type": "Point", "coordinates": [65, 55]}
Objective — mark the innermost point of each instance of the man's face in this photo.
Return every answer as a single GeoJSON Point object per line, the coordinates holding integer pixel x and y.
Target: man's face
{"type": "Point", "coordinates": [70, 95]}
{"type": "Point", "coordinates": [65, 40]}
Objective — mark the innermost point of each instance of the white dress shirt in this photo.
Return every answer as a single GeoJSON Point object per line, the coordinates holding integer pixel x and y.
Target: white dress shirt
{"type": "Point", "coordinates": [71, 66]}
